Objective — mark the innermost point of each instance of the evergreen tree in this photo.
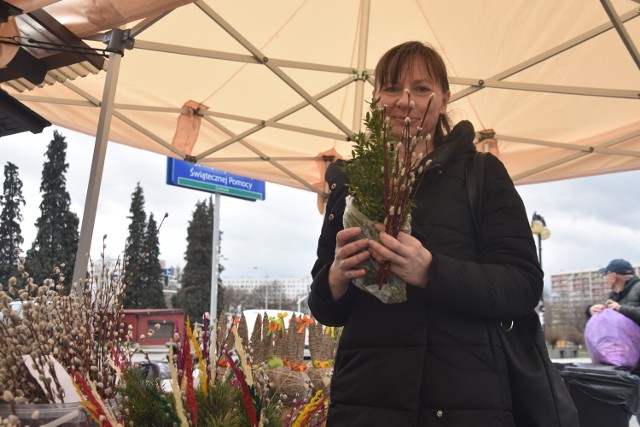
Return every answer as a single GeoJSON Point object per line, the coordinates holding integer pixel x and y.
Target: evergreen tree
{"type": "Point", "coordinates": [134, 252]}
{"type": "Point", "coordinates": [195, 294]}
{"type": "Point", "coordinates": [56, 241]}
{"type": "Point", "coordinates": [151, 279]}
{"type": "Point", "coordinates": [10, 217]}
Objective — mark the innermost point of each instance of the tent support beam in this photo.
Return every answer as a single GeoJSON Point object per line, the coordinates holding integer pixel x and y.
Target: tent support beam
{"type": "Point", "coordinates": [236, 57]}
{"type": "Point", "coordinates": [363, 37]}
{"type": "Point", "coordinates": [97, 164]}
{"type": "Point", "coordinates": [535, 87]}
{"type": "Point", "coordinates": [93, 102]}
{"type": "Point", "coordinates": [262, 156]}
{"type": "Point", "coordinates": [622, 31]}
{"type": "Point", "coordinates": [585, 151]}
{"type": "Point", "coordinates": [274, 68]}
{"type": "Point", "coordinates": [545, 55]}
{"type": "Point", "coordinates": [549, 165]}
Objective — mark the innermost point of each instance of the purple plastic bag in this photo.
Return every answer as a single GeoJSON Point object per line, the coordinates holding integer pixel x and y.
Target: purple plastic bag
{"type": "Point", "coordinates": [613, 339]}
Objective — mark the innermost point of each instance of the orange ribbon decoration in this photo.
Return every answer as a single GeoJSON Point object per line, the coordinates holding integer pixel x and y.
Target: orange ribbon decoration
{"type": "Point", "coordinates": [303, 323]}
{"type": "Point", "coordinates": [299, 367]}
{"type": "Point", "coordinates": [273, 327]}
{"type": "Point", "coordinates": [277, 324]}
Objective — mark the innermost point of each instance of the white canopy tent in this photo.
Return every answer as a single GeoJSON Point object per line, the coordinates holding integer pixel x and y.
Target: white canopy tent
{"type": "Point", "coordinates": [281, 86]}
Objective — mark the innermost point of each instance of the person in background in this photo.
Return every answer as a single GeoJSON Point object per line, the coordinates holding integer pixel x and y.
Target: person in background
{"type": "Point", "coordinates": [625, 290]}
{"type": "Point", "coordinates": [624, 297]}
{"type": "Point", "coordinates": [433, 359]}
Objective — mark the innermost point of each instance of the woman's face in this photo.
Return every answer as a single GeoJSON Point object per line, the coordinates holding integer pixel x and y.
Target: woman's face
{"type": "Point", "coordinates": [417, 80]}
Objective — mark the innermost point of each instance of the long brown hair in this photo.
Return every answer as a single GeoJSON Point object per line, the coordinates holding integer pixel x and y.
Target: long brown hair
{"type": "Point", "coordinates": [404, 56]}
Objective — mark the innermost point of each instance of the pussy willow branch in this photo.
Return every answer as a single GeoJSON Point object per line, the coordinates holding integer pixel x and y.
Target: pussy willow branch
{"type": "Point", "coordinates": [398, 185]}
{"type": "Point", "coordinates": [385, 165]}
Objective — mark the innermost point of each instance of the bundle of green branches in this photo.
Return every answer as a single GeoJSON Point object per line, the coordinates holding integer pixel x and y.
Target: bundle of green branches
{"type": "Point", "coordinates": [382, 174]}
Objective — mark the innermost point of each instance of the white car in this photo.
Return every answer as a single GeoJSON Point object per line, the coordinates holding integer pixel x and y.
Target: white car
{"type": "Point", "coordinates": [15, 306]}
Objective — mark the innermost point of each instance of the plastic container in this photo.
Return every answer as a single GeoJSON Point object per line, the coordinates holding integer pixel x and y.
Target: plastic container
{"type": "Point", "coordinates": [52, 414]}
{"type": "Point", "coordinates": [604, 395]}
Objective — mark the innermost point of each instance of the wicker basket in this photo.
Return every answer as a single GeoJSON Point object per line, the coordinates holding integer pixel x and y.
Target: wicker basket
{"type": "Point", "coordinates": [320, 378]}
{"type": "Point", "coordinates": [288, 385]}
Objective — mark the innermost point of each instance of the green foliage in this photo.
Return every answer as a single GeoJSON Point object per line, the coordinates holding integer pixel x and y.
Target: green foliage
{"type": "Point", "coordinates": [151, 271]}
{"type": "Point", "coordinates": [221, 406]}
{"type": "Point", "coordinates": [143, 273]}
{"type": "Point", "coordinates": [381, 173]}
{"type": "Point", "coordinates": [56, 241]}
{"type": "Point", "coordinates": [10, 217]}
{"type": "Point", "coordinates": [195, 295]}
{"type": "Point", "coordinates": [145, 403]}
{"type": "Point", "coordinates": [366, 169]}
{"type": "Point", "coordinates": [134, 252]}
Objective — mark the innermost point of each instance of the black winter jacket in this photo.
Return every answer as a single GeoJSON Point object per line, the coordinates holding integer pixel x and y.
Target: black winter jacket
{"type": "Point", "coordinates": [434, 360]}
{"type": "Point", "coordinates": [628, 298]}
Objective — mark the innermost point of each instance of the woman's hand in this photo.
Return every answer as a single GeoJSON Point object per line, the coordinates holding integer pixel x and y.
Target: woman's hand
{"type": "Point", "coordinates": [348, 255]}
{"type": "Point", "coordinates": [408, 258]}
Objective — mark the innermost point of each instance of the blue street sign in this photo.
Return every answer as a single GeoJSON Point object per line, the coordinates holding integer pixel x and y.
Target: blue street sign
{"type": "Point", "coordinates": [167, 271]}
{"type": "Point", "coordinates": [197, 177]}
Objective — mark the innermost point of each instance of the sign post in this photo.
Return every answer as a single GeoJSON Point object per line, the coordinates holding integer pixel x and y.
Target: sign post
{"type": "Point", "coordinates": [197, 177]}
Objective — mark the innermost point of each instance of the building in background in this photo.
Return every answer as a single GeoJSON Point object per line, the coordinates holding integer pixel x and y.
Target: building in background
{"type": "Point", "coordinates": [267, 292]}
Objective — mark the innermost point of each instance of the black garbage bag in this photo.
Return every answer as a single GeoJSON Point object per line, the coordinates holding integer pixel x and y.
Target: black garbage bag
{"type": "Point", "coordinates": [608, 384]}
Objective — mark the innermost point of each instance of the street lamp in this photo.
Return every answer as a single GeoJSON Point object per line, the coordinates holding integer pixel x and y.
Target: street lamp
{"type": "Point", "coordinates": [266, 287]}
{"type": "Point", "coordinates": [539, 228]}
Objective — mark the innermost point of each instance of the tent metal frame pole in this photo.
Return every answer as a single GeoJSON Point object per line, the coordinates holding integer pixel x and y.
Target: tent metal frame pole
{"type": "Point", "coordinates": [601, 149]}
{"type": "Point", "coordinates": [363, 38]}
{"type": "Point", "coordinates": [569, 44]}
{"type": "Point", "coordinates": [213, 303]}
{"type": "Point", "coordinates": [97, 164]}
{"type": "Point", "coordinates": [622, 31]}
{"type": "Point", "coordinates": [237, 57]}
{"type": "Point", "coordinates": [272, 67]}
{"type": "Point", "coordinates": [536, 87]}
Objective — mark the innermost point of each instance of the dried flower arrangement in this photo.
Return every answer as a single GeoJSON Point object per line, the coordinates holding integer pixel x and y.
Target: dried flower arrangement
{"type": "Point", "coordinates": [382, 175]}
{"type": "Point", "coordinates": [81, 331]}
{"type": "Point", "coordinates": [214, 379]}
{"type": "Point", "coordinates": [227, 387]}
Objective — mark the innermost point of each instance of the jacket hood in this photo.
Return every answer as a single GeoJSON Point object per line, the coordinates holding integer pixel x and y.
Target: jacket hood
{"type": "Point", "coordinates": [458, 143]}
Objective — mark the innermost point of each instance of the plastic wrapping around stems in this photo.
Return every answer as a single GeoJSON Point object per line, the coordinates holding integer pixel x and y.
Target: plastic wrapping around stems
{"type": "Point", "coordinates": [51, 414]}
{"type": "Point", "coordinates": [607, 384]}
{"type": "Point", "coordinates": [392, 291]}
{"type": "Point", "coordinates": [613, 339]}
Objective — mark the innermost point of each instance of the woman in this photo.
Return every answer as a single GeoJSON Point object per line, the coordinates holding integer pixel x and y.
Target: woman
{"type": "Point", "coordinates": [430, 360]}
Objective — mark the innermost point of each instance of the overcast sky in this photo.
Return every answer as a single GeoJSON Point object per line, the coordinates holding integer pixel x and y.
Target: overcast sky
{"type": "Point", "coordinates": [592, 220]}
